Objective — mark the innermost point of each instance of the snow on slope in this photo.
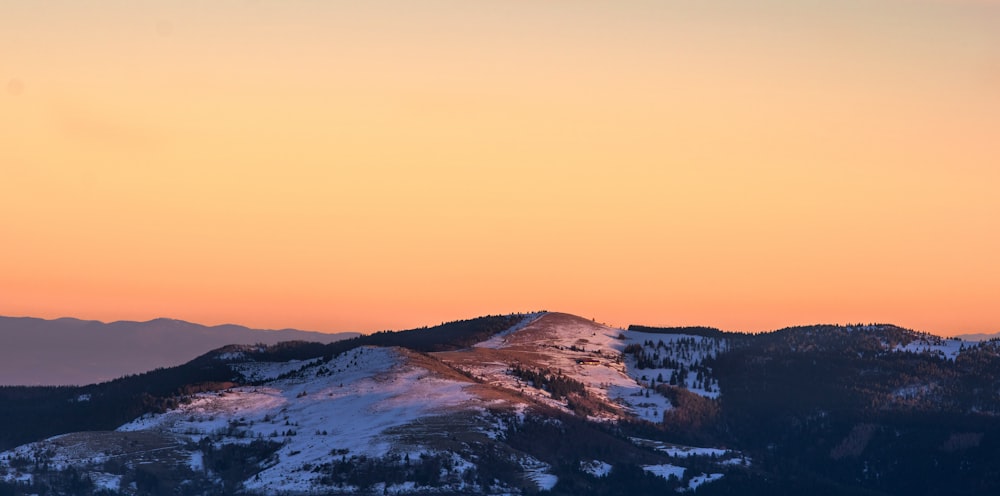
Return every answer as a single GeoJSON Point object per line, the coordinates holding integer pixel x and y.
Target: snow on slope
{"type": "Point", "coordinates": [665, 470]}
{"type": "Point", "coordinates": [592, 354]}
{"type": "Point", "coordinates": [499, 339]}
{"type": "Point", "coordinates": [87, 448]}
{"type": "Point", "coordinates": [725, 456]}
{"type": "Point", "coordinates": [668, 471]}
{"type": "Point", "coordinates": [685, 354]}
{"type": "Point", "coordinates": [596, 468]}
{"type": "Point", "coordinates": [538, 472]}
{"type": "Point", "coordinates": [898, 340]}
{"type": "Point", "coordinates": [387, 402]}
{"type": "Point", "coordinates": [348, 406]}
{"type": "Point", "coordinates": [267, 371]}
{"type": "Point", "coordinates": [700, 479]}
{"type": "Point", "coordinates": [947, 349]}
{"type": "Point", "coordinates": [579, 349]}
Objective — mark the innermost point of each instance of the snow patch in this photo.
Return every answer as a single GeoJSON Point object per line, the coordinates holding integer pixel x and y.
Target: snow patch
{"type": "Point", "coordinates": [107, 482]}
{"type": "Point", "coordinates": [702, 479]}
{"type": "Point", "coordinates": [677, 451]}
{"type": "Point", "coordinates": [269, 371]}
{"type": "Point", "coordinates": [913, 391]}
{"type": "Point", "coordinates": [197, 461]}
{"type": "Point", "coordinates": [231, 356]}
{"type": "Point", "coordinates": [947, 349]}
{"type": "Point", "coordinates": [741, 461]}
{"type": "Point", "coordinates": [665, 470]}
{"type": "Point", "coordinates": [538, 472]}
{"type": "Point", "coordinates": [596, 468]}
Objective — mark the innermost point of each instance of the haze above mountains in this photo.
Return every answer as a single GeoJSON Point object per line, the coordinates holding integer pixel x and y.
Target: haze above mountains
{"type": "Point", "coordinates": [70, 351]}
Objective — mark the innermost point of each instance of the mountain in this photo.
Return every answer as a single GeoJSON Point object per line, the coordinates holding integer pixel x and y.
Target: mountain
{"type": "Point", "coordinates": [979, 337]}
{"type": "Point", "coordinates": [71, 351]}
{"type": "Point", "coordinates": [544, 403]}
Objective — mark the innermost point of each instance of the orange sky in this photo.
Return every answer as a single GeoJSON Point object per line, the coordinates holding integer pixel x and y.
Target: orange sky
{"type": "Point", "coordinates": [331, 166]}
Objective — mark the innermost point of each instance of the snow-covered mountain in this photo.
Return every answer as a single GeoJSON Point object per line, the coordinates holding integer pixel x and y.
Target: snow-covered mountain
{"type": "Point", "coordinates": [522, 404]}
{"type": "Point", "coordinates": [72, 351]}
{"type": "Point", "coordinates": [314, 425]}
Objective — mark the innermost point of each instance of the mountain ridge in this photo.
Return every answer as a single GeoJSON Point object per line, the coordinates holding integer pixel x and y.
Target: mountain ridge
{"type": "Point", "coordinates": [979, 336]}
{"type": "Point", "coordinates": [75, 351]}
{"type": "Point", "coordinates": [543, 403]}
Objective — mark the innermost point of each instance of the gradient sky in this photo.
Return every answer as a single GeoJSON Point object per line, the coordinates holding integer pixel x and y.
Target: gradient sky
{"type": "Point", "coordinates": [384, 164]}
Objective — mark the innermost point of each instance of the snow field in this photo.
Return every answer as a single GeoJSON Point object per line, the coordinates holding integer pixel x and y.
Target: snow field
{"type": "Point", "coordinates": [345, 405]}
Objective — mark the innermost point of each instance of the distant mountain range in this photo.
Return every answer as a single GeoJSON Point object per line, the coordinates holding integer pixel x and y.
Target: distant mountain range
{"type": "Point", "coordinates": [978, 337]}
{"type": "Point", "coordinates": [71, 351]}
{"type": "Point", "coordinates": [544, 403]}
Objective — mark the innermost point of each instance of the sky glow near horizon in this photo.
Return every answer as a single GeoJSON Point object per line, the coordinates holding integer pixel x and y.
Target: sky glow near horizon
{"type": "Point", "coordinates": [341, 166]}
